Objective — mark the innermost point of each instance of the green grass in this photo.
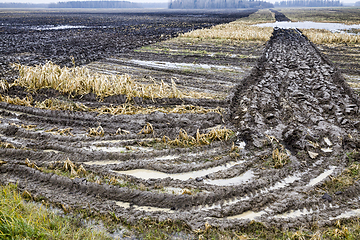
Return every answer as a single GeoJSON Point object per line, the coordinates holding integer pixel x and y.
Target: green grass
{"type": "Point", "coordinates": [23, 220]}
{"type": "Point", "coordinates": [346, 179]}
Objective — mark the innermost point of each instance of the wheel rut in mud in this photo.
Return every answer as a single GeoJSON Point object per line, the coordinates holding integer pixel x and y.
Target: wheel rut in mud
{"type": "Point", "coordinates": [294, 107]}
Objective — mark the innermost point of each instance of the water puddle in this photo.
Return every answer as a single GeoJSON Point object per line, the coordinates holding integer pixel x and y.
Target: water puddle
{"type": "Point", "coordinates": [60, 27]}
{"type": "Point", "coordinates": [321, 176]}
{"type": "Point", "coordinates": [119, 141]}
{"type": "Point", "coordinates": [143, 208]}
{"type": "Point", "coordinates": [147, 174]}
{"type": "Point", "coordinates": [285, 182]}
{"type": "Point", "coordinates": [333, 27]}
{"type": "Point", "coordinates": [181, 191]}
{"type": "Point", "coordinates": [166, 157]}
{"type": "Point", "coordinates": [226, 203]}
{"type": "Point", "coordinates": [174, 190]}
{"type": "Point", "coordinates": [51, 150]}
{"type": "Point", "coordinates": [278, 185]}
{"type": "Point", "coordinates": [179, 66]}
{"type": "Point", "coordinates": [348, 214]}
{"type": "Point", "coordinates": [169, 157]}
{"type": "Point", "coordinates": [232, 181]}
{"type": "Point", "coordinates": [117, 149]}
{"type": "Point", "coordinates": [241, 145]}
{"type": "Point", "coordinates": [293, 214]}
{"type": "Point", "coordinates": [247, 215]}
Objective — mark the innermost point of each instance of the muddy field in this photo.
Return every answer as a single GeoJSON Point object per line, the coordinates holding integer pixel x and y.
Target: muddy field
{"type": "Point", "coordinates": [293, 119]}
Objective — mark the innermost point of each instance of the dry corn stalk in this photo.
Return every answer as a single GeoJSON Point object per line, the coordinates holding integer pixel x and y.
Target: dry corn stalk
{"type": "Point", "coordinates": [147, 129]}
{"type": "Point", "coordinates": [52, 129]}
{"type": "Point", "coordinates": [6, 145]}
{"type": "Point", "coordinates": [233, 147]}
{"type": "Point", "coordinates": [26, 195]}
{"type": "Point", "coordinates": [31, 164]}
{"type": "Point", "coordinates": [120, 131]}
{"type": "Point", "coordinates": [280, 157]}
{"type": "Point", "coordinates": [272, 138]}
{"type": "Point", "coordinates": [81, 170]}
{"type": "Point", "coordinates": [187, 192]}
{"type": "Point", "coordinates": [27, 127]}
{"type": "Point", "coordinates": [70, 166]}
{"type": "Point", "coordinates": [55, 104]}
{"type": "Point", "coordinates": [184, 140]}
{"type": "Point", "coordinates": [322, 36]}
{"type": "Point", "coordinates": [2, 162]}
{"type": "Point", "coordinates": [81, 81]}
{"type": "Point", "coordinates": [27, 101]}
{"type": "Point", "coordinates": [238, 30]}
{"type": "Point", "coordinates": [113, 180]}
{"type": "Point", "coordinates": [93, 132]}
{"type": "Point", "coordinates": [65, 131]}
{"type": "Point", "coordinates": [4, 85]}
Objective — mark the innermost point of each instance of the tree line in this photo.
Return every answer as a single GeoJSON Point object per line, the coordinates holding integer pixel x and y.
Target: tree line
{"type": "Point", "coordinates": [308, 3]}
{"type": "Point", "coordinates": [218, 4]}
{"type": "Point", "coordinates": [94, 4]}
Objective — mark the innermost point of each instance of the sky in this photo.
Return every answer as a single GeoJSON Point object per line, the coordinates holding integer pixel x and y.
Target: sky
{"type": "Point", "coordinates": [55, 1]}
{"type": "Point", "coordinates": [139, 1]}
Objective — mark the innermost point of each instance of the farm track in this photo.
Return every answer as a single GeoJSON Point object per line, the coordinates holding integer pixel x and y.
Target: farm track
{"type": "Point", "coordinates": [293, 97]}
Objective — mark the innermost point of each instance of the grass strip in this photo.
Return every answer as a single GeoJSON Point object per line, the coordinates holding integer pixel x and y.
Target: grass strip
{"type": "Point", "coordinates": [24, 220]}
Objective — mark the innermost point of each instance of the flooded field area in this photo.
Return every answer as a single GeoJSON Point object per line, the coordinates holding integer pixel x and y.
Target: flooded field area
{"type": "Point", "coordinates": [140, 122]}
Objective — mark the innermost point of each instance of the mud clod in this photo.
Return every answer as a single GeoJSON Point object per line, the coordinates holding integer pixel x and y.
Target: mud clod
{"type": "Point", "coordinates": [327, 197]}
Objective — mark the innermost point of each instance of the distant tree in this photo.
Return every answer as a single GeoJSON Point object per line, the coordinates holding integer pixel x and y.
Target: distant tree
{"type": "Point", "coordinates": [308, 3]}
{"type": "Point", "coordinates": [357, 3]}
{"type": "Point", "coordinates": [218, 4]}
{"type": "Point", "coordinates": [95, 4]}
{"type": "Point", "coordinates": [22, 5]}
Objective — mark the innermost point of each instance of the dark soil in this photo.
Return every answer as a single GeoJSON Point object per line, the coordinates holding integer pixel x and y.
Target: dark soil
{"type": "Point", "coordinates": [280, 17]}
{"type": "Point", "coordinates": [26, 39]}
{"type": "Point", "coordinates": [298, 100]}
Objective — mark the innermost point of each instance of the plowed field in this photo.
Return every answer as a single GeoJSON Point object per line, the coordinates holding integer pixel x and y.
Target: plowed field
{"type": "Point", "coordinates": [274, 139]}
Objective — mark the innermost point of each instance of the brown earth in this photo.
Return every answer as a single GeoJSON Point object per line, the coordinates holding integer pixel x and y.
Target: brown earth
{"type": "Point", "coordinates": [287, 99]}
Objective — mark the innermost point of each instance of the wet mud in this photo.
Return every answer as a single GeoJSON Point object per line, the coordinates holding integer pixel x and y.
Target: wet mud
{"type": "Point", "coordinates": [34, 37]}
{"type": "Point", "coordinates": [297, 103]}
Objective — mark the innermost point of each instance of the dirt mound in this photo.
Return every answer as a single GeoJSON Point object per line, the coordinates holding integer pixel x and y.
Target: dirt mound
{"type": "Point", "coordinates": [296, 95]}
{"type": "Point", "coordinates": [280, 17]}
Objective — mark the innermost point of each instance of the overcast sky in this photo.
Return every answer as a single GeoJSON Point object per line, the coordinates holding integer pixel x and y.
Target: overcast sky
{"type": "Point", "coordinates": [149, 1]}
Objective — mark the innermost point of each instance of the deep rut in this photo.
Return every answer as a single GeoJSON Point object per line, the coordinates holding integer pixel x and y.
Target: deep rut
{"type": "Point", "coordinates": [293, 98]}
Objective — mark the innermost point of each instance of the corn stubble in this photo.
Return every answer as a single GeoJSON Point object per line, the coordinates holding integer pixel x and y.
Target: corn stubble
{"type": "Point", "coordinates": [240, 30]}
{"type": "Point", "coordinates": [78, 81]}
{"type": "Point", "coordinates": [95, 132]}
{"type": "Point", "coordinates": [147, 129]}
{"type": "Point", "coordinates": [185, 140]}
{"type": "Point", "coordinates": [128, 109]}
{"type": "Point", "coordinates": [3, 85]}
{"type": "Point", "coordinates": [320, 36]}
{"type": "Point", "coordinates": [6, 145]}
